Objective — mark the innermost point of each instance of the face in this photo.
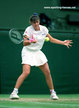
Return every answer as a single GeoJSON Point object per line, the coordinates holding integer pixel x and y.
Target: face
{"type": "Point", "coordinates": [36, 25]}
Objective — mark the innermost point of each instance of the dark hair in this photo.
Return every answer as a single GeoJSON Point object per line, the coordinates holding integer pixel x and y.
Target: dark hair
{"type": "Point", "coordinates": [34, 18]}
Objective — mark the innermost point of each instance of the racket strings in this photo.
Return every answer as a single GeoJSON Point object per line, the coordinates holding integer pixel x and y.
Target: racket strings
{"type": "Point", "coordinates": [15, 36]}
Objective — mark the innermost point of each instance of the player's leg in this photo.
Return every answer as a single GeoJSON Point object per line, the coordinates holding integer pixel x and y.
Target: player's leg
{"type": "Point", "coordinates": [25, 73]}
{"type": "Point", "coordinates": [45, 69]}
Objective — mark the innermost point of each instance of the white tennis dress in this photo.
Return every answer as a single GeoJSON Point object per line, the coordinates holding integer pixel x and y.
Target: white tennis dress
{"type": "Point", "coordinates": [32, 53]}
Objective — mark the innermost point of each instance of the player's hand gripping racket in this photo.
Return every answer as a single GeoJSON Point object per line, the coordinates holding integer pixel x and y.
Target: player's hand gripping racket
{"type": "Point", "coordinates": [15, 36]}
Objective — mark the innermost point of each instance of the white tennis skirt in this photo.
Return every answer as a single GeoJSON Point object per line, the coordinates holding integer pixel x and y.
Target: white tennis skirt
{"type": "Point", "coordinates": [33, 58]}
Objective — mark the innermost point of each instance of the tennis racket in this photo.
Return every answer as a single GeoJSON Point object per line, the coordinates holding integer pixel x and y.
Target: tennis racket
{"type": "Point", "coordinates": [15, 36]}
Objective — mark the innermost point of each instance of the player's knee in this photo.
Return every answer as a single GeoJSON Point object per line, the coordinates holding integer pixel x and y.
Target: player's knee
{"type": "Point", "coordinates": [26, 73]}
{"type": "Point", "coordinates": [48, 73]}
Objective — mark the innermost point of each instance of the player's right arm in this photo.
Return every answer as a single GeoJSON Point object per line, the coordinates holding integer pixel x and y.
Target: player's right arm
{"type": "Point", "coordinates": [27, 41]}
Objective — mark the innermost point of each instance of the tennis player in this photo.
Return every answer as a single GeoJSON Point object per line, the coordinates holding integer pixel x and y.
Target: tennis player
{"type": "Point", "coordinates": [32, 55]}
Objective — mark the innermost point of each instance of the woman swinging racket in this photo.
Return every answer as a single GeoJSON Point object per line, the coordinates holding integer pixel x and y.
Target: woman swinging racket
{"type": "Point", "coordinates": [34, 37]}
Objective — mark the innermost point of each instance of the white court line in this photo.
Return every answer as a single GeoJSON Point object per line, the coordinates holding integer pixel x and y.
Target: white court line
{"type": "Point", "coordinates": [42, 103]}
{"type": "Point", "coordinates": [57, 104]}
{"type": "Point", "coordinates": [2, 106]}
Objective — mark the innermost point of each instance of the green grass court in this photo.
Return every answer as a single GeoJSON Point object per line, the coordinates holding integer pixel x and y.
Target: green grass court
{"type": "Point", "coordinates": [40, 101]}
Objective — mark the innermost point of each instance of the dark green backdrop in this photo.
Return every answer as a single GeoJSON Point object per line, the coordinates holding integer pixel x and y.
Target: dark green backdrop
{"type": "Point", "coordinates": [63, 62]}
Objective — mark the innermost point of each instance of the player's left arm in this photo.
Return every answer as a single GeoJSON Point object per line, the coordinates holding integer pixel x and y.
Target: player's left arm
{"type": "Point", "coordinates": [56, 41]}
